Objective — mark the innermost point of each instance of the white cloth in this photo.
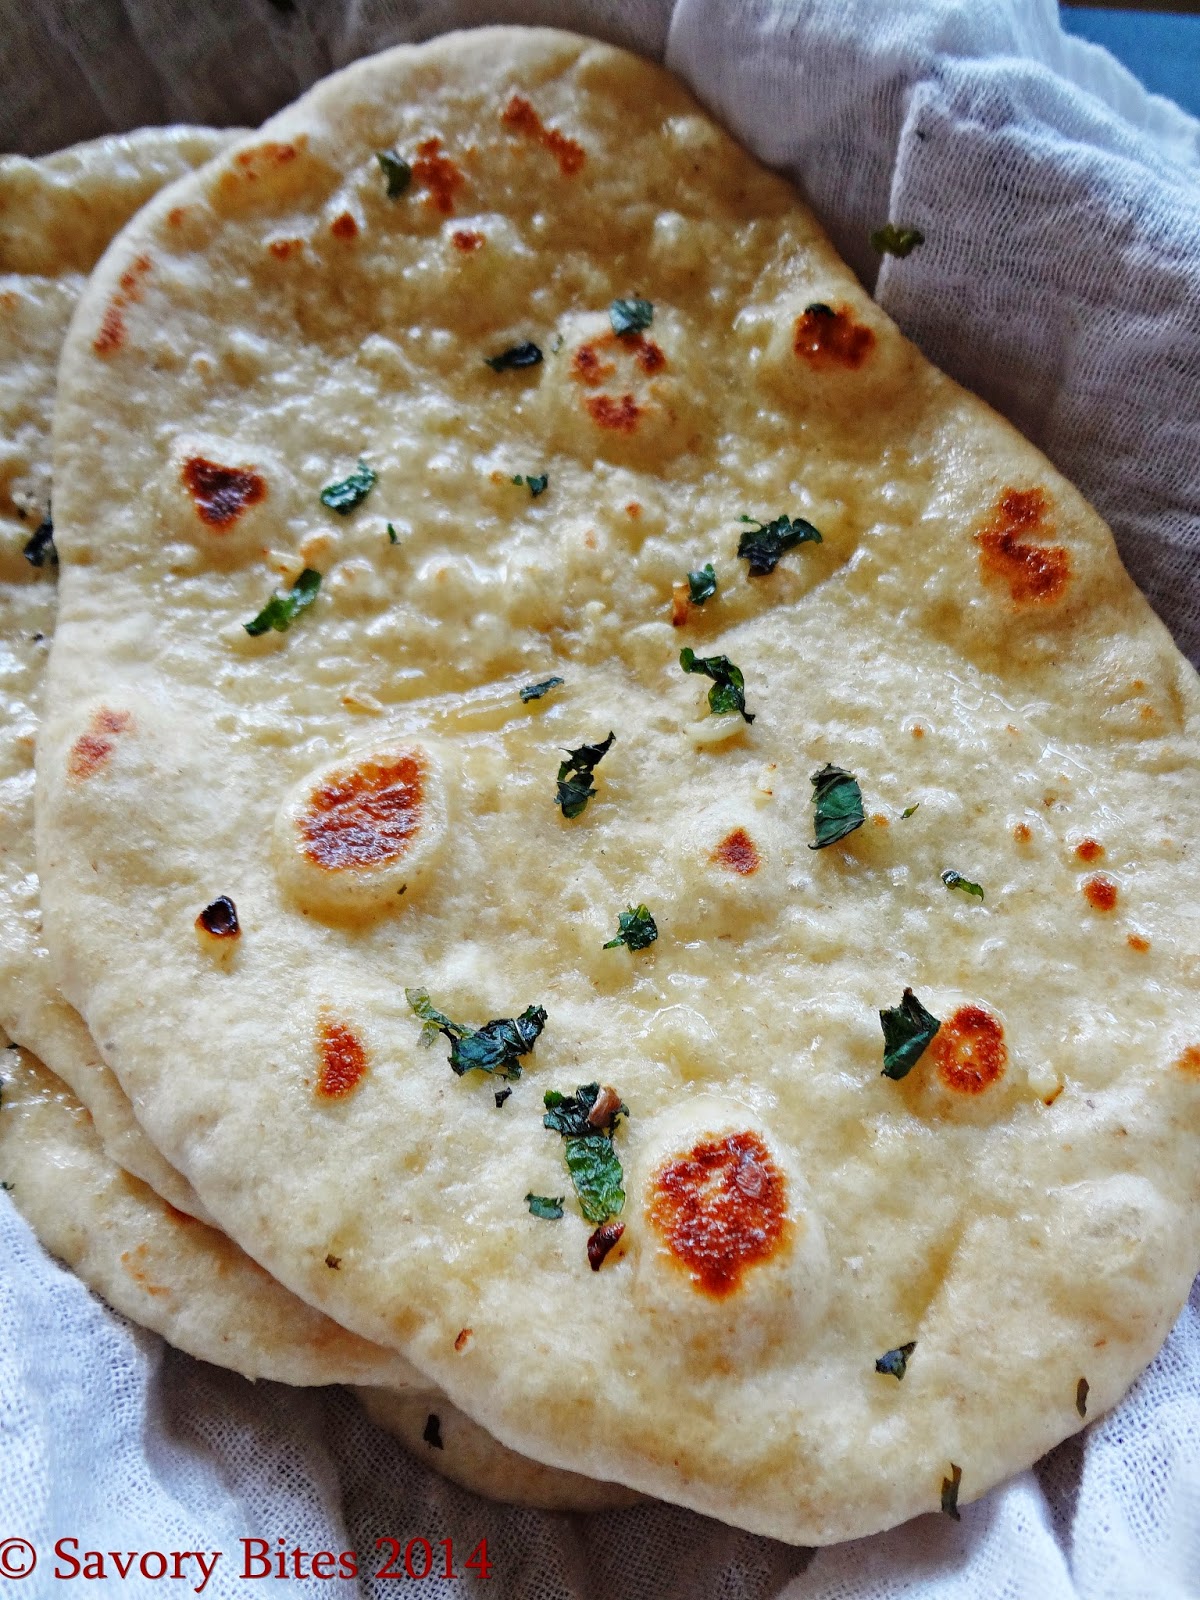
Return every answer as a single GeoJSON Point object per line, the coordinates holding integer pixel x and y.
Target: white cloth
{"type": "Point", "coordinates": [1060, 278]}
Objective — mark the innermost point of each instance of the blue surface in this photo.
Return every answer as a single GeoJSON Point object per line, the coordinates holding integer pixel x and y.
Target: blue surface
{"type": "Point", "coordinates": [1161, 49]}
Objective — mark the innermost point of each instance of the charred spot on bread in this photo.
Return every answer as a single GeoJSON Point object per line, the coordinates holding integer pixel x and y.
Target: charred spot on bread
{"type": "Point", "coordinates": [969, 1051]}
{"type": "Point", "coordinates": [221, 494]}
{"type": "Point", "coordinates": [342, 1058]}
{"type": "Point", "coordinates": [829, 336]}
{"type": "Point", "coordinates": [720, 1208]}
{"type": "Point", "coordinates": [1035, 574]}
{"type": "Point", "coordinates": [91, 751]}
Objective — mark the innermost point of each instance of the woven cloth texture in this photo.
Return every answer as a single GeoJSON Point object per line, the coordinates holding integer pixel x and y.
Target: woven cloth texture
{"type": "Point", "coordinates": [1060, 278]}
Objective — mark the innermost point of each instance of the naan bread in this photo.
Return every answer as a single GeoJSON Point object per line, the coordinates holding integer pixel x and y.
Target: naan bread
{"type": "Point", "coordinates": [371, 792]}
{"type": "Point", "coordinates": [145, 1256]}
{"type": "Point", "coordinates": [440, 1435]}
{"type": "Point", "coordinates": [57, 215]}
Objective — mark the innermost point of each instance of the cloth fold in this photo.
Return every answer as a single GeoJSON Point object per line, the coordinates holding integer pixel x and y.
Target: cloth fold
{"type": "Point", "coordinates": [1060, 279]}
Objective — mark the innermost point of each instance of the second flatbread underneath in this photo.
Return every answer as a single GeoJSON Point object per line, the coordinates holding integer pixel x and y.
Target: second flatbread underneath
{"type": "Point", "coordinates": [188, 1282]}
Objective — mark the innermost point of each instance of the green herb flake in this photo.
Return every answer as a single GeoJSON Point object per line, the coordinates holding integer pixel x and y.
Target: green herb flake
{"type": "Point", "coordinates": [7, 1187]}
{"type": "Point", "coordinates": [728, 692]}
{"type": "Point", "coordinates": [702, 585]}
{"type": "Point", "coordinates": [908, 1030]}
{"type": "Point", "coordinates": [517, 356]}
{"type": "Point", "coordinates": [955, 880]}
{"type": "Point", "coordinates": [595, 1169]}
{"type": "Point", "coordinates": [908, 811]}
{"type": "Point", "coordinates": [393, 536]}
{"type": "Point", "coordinates": [950, 1492]}
{"type": "Point", "coordinates": [764, 542]}
{"type": "Point", "coordinates": [837, 805]}
{"type": "Point", "coordinates": [541, 1205]}
{"type": "Point", "coordinates": [587, 1120]}
{"type": "Point", "coordinates": [1081, 1394]}
{"type": "Point", "coordinates": [494, 1048]}
{"type": "Point", "coordinates": [39, 549]}
{"type": "Point", "coordinates": [433, 1432]}
{"type": "Point", "coordinates": [396, 170]}
{"type": "Point", "coordinates": [575, 786]}
{"type": "Point", "coordinates": [893, 241]}
{"type": "Point", "coordinates": [894, 1363]}
{"type": "Point", "coordinates": [344, 495]}
{"type": "Point", "coordinates": [535, 691]}
{"type": "Point", "coordinates": [435, 1021]}
{"type": "Point", "coordinates": [501, 1096]}
{"type": "Point", "coordinates": [630, 316]}
{"type": "Point", "coordinates": [536, 485]}
{"type": "Point", "coordinates": [281, 610]}
{"type": "Point", "coordinates": [636, 929]}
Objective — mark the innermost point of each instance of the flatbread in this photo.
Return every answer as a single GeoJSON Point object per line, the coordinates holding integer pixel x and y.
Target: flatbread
{"type": "Point", "coordinates": [137, 1243]}
{"type": "Point", "coordinates": [1022, 1207]}
{"type": "Point", "coordinates": [440, 1435]}
{"type": "Point", "coordinates": [57, 215]}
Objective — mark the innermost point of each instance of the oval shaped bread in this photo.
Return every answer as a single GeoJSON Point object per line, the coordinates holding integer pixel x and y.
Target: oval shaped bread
{"type": "Point", "coordinates": [184, 1280]}
{"type": "Point", "coordinates": [58, 213]}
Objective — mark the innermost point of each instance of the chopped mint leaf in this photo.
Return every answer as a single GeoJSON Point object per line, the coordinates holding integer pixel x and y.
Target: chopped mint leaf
{"type": "Point", "coordinates": [393, 536]}
{"type": "Point", "coordinates": [525, 354]}
{"type": "Point", "coordinates": [535, 691]}
{"type": "Point", "coordinates": [535, 485]}
{"type": "Point", "coordinates": [908, 810]}
{"type": "Point", "coordinates": [837, 805]}
{"type": "Point", "coordinates": [1081, 1393]}
{"type": "Point", "coordinates": [630, 316]}
{"type": "Point", "coordinates": [955, 880]}
{"type": "Point", "coordinates": [907, 1031]}
{"type": "Point", "coordinates": [894, 1363]}
{"type": "Point", "coordinates": [494, 1048]}
{"type": "Point", "coordinates": [893, 241]}
{"type": "Point", "coordinates": [764, 543]}
{"type": "Point", "coordinates": [587, 1120]}
{"type": "Point", "coordinates": [396, 170]}
{"type": "Point", "coordinates": [575, 787]}
{"type": "Point", "coordinates": [433, 1432]}
{"type": "Point", "coordinates": [541, 1205]}
{"type": "Point", "coordinates": [39, 547]}
{"type": "Point", "coordinates": [8, 1189]}
{"type": "Point", "coordinates": [281, 610]}
{"type": "Point", "coordinates": [950, 1492]}
{"type": "Point", "coordinates": [728, 692]}
{"type": "Point", "coordinates": [595, 1169]}
{"type": "Point", "coordinates": [636, 929]}
{"type": "Point", "coordinates": [343, 496]}
{"type": "Point", "coordinates": [501, 1096]}
{"type": "Point", "coordinates": [435, 1021]}
{"type": "Point", "coordinates": [702, 585]}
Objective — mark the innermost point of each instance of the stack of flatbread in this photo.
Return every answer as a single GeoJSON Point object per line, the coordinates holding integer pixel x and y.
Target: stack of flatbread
{"type": "Point", "coordinates": [612, 849]}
